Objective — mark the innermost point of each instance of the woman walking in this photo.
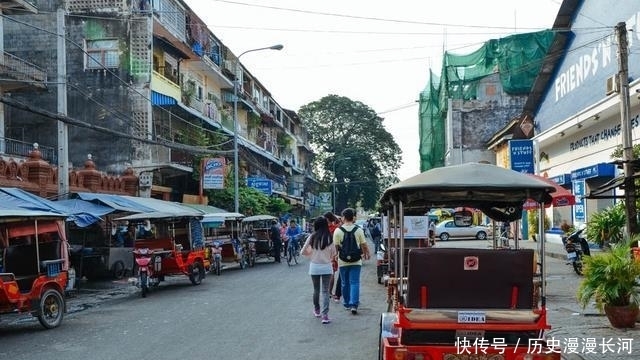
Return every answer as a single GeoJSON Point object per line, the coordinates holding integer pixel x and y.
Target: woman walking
{"type": "Point", "coordinates": [320, 250]}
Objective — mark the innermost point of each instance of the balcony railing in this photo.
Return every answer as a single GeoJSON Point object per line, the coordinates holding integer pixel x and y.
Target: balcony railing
{"type": "Point", "coordinates": [12, 147]}
{"type": "Point", "coordinates": [18, 69]}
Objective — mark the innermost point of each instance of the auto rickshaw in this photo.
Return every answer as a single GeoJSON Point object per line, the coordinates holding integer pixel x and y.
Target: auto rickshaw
{"type": "Point", "coordinates": [34, 267]}
{"type": "Point", "coordinates": [464, 303]}
{"type": "Point", "coordinates": [255, 230]}
{"type": "Point", "coordinates": [222, 240]}
{"type": "Point", "coordinates": [174, 242]}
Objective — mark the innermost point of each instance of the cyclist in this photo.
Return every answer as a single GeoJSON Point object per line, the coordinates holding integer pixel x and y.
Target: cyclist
{"type": "Point", "coordinates": [292, 235]}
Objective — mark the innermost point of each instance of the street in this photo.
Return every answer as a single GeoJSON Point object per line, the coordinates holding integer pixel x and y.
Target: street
{"type": "Point", "coordinates": [263, 312]}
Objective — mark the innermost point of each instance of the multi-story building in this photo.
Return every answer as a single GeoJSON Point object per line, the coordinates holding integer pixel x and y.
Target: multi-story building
{"type": "Point", "coordinates": [150, 87]}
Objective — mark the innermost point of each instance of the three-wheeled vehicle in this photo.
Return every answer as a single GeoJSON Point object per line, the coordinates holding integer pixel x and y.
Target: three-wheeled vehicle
{"type": "Point", "coordinates": [222, 241]}
{"type": "Point", "coordinates": [466, 303]}
{"type": "Point", "coordinates": [255, 231]}
{"type": "Point", "coordinates": [34, 269]}
{"type": "Point", "coordinates": [172, 245]}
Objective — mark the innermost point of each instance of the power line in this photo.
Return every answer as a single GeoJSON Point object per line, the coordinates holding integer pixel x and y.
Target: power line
{"type": "Point", "coordinates": [82, 124]}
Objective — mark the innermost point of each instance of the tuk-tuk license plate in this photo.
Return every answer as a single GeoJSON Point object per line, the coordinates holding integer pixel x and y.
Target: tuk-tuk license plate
{"type": "Point", "coordinates": [472, 317]}
{"type": "Point", "coordinates": [572, 255]}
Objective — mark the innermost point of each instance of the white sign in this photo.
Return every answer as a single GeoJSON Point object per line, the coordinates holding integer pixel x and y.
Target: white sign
{"type": "Point", "coordinates": [415, 227]}
{"type": "Point", "coordinates": [472, 317]}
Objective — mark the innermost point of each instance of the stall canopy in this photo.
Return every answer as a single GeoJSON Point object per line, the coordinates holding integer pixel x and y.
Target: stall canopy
{"type": "Point", "coordinates": [82, 213]}
{"type": "Point", "coordinates": [116, 202]}
{"type": "Point", "coordinates": [559, 197]}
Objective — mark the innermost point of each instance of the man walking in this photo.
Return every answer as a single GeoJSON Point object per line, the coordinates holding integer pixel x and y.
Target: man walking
{"type": "Point", "coordinates": [276, 240]}
{"type": "Point", "coordinates": [346, 238]}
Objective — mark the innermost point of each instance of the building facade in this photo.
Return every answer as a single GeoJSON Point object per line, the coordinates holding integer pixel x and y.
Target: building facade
{"type": "Point", "coordinates": [151, 88]}
{"type": "Point", "coordinates": [578, 121]}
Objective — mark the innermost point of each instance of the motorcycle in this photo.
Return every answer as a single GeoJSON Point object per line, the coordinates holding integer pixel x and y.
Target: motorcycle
{"type": "Point", "coordinates": [382, 263]}
{"type": "Point", "coordinates": [576, 247]}
{"type": "Point", "coordinates": [216, 251]}
{"type": "Point", "coordinates": [143, 258]}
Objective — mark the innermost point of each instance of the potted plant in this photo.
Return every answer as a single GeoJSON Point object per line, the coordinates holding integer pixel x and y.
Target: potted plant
{"type": "Point", "coordinates": [611, 280]}
{"type": "Point", "coordinates": [606, 226]}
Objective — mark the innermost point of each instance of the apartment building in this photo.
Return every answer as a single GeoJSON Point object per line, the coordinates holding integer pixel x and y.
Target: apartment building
{"type": "Point", "coordinates": [161, 83]}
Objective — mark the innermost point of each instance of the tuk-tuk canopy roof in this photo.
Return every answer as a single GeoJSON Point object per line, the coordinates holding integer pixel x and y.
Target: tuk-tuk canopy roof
{"type": "Point", "coordinates": [258, 218]}
{"type": "Point", "coordinates": [500, 193]}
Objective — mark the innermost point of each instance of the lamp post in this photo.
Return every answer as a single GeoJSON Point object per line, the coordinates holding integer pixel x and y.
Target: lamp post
{"type": "Point", "coordinates": [236, 190]}
{"type": "Point", "coordinates": [335, 181]}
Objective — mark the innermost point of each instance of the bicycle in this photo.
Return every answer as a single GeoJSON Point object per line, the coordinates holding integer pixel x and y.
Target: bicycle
{"type": "Point", "coordinates": [293, 251]}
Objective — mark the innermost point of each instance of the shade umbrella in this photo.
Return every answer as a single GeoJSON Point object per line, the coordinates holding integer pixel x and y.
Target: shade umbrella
{"type": "Point", "coordinates": [559, 197]}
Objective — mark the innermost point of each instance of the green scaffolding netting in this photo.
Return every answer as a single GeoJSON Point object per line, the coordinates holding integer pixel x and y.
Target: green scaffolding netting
{"type": "Point", "coordinates": [517, 59]}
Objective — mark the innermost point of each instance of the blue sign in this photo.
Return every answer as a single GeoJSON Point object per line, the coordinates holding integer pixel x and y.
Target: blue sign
{"type": "Point", "coordinates": [579, 207]}
{"type": "Point", "coordinates": [521, 156]}
{"type": "Point", "coordinates": [593, 171]}
{"type": "Point", "coordinates": [261, 184]}
{"type": "Point", "coordinates": [563, 179]}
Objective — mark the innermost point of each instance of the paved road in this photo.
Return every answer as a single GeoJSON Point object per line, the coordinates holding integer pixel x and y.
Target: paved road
{"type": "Point", "coordinates": [258, 313]}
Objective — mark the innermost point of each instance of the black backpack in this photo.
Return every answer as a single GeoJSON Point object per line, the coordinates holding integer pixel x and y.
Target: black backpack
{"type": "Point", "coordinates": [349, 249]}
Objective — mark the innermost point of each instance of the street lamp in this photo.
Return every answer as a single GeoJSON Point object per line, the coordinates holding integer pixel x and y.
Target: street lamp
{"type": "Point", "coordinates": [335, 181]}
{"type": "Point", "coordinates": [236, 191]}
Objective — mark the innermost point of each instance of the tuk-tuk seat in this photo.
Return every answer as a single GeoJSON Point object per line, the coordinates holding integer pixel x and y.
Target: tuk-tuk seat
{"type": "Point", "coordinates": [470, 278]}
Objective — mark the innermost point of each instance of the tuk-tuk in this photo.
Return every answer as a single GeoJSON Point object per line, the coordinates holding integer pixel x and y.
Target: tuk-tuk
{"type": "Point", "coordinates": [167, 244]}
{"type": "Point", "coordinates": [465, 303]}
{"type": "Point", "coordinates": [222, 240]}
{"type": "Point", "coordinates": [255, 231]}
{"type": "Point", "coordinates": [34, 265]}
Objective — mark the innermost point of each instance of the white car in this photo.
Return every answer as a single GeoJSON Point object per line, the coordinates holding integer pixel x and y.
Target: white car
{"type": "Point", "coordinates": [447, 229]}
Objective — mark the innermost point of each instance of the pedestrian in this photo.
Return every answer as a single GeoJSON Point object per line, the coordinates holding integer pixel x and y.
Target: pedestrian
{"type": "Point", "coordinates": [432, 233]}
{"type": "Point", "coordinates": [350, 270]}
{"type": "Point", "coordinates": [276, 241]}
{"type": "Point", "coordinates": [283, 236]}
{"type": "Point", "coordinates": [334, 282]}
{"type": "Point", "coordinates": [320, 250]}
{"type": "Point", "coordinates": [376, 234]}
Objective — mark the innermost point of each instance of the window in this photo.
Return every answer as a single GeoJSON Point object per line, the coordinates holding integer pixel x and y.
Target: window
{"type": "Point", "coordinates": [102, 54]}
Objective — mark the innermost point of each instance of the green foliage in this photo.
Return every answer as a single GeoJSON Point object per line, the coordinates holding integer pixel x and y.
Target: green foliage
{"type": "Point", "coordinates": [532, 217]}
{"type": "Point", "coordinates": [605, 226]}
{"type": "Point", "coordinates": [341, 128]}
{"type": "Point", "coordinates": [610, 278]}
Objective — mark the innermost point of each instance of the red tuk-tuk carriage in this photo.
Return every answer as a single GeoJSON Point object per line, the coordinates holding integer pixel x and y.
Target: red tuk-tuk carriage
{"type": "Point", "coordinates": [466, 303]}
{"type": "Point", "coordinates": [34, 265]}
{"type": "Point", "coordinates": [167, 244]}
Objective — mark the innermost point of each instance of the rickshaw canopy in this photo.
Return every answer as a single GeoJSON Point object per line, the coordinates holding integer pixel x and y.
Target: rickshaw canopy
{"type": "Point", "coordinates": [258, 218]}
{"type": "Point", "coordinates": [500, 193]}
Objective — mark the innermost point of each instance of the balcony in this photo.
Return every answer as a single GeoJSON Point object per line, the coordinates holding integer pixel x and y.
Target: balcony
{"type": "Point", "coordinates": [164, 85]}
{"type": "Point", "coordinates": [20, 149]}
{"type": "Point", "coordinates": [18, 73]}
{"type": "Point", "coordinates": [83, 6]}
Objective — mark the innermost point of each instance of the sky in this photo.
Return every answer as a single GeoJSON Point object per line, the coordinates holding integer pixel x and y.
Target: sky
{"type": "Point", "coordinates": [372, 51]}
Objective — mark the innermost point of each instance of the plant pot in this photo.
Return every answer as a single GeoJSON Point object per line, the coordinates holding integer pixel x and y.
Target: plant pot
{"type": "Point", "coordinates": [622, 317]}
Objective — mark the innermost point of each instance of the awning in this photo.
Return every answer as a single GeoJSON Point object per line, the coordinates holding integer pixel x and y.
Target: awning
{"type": "Point", "coordinates": [293, 200]}
{"type": "Point", "coordinates": [559, 197]}
{"type": "Point", "coordinates": [115, 202]}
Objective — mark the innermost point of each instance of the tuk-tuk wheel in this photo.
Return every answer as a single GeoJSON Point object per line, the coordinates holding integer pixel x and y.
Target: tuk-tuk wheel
{"type": "Point", "coordinates": [51, 309]}
{"type": "Point", "coordinates": [118, 270]}
{"type": "Point", "coordinates": [197, 273]}
{"type": "Point", "coordinates": [243, 262]}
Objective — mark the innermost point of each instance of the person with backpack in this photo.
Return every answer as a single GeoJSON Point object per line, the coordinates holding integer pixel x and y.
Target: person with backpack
{"type": "Point", "coordinates": [352, 247]}
{"type": "Point", "coordinates": [321, 251]}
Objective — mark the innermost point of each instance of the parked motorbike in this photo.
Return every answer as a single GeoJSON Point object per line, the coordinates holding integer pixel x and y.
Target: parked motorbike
{"type": "Point", "coordinates": [382, 262]}
{"type": "Point", "coordinates": [216, 252]}
{"type": "Point", "coordinates": [146, 267]}
{"type": "Point", "coordinates": [576, 247]}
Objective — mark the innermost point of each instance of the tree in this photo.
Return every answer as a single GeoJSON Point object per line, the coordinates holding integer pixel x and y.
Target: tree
{"type": "Point", "coordinates": [341, 128]}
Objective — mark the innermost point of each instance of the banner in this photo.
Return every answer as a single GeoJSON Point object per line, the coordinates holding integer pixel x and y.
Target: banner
{"type": "Point", "coordinates": [213, 170]}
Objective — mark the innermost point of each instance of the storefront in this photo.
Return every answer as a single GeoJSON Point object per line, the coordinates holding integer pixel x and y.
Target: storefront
{"type": "Point", "coordinates": [578, 123]}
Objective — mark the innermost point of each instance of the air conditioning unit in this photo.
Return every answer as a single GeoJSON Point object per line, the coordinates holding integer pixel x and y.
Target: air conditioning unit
{"type": "Point", "coordinates": [612, 85]}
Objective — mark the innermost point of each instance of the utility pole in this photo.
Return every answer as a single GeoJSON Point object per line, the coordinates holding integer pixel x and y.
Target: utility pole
{"type": "Point", "coordinates": [63, 130]}
{"type": "Point", "coordinates": [627, 145]}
